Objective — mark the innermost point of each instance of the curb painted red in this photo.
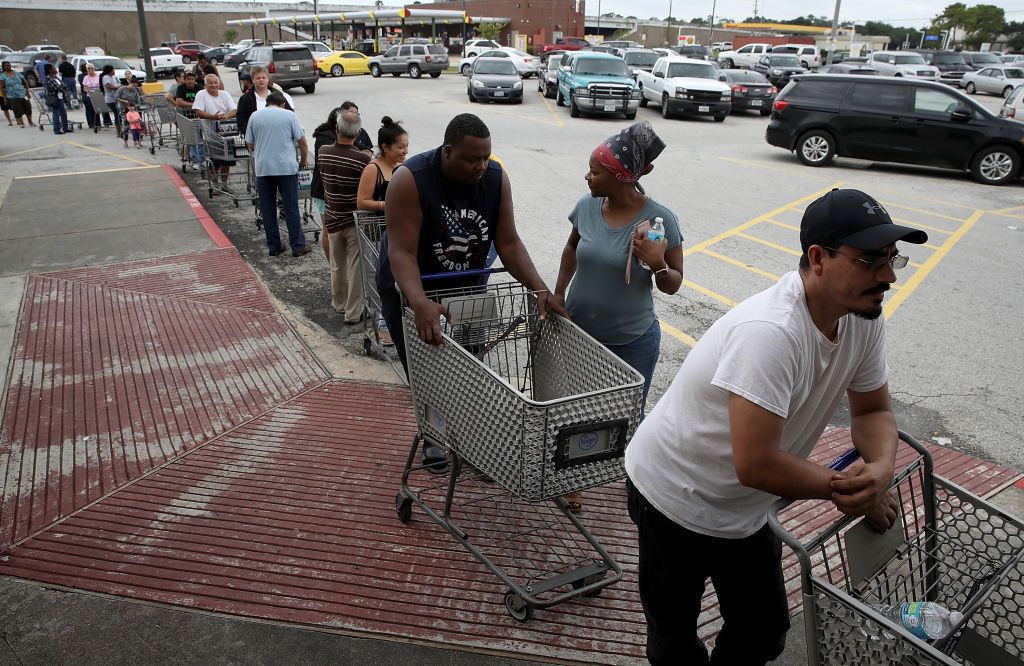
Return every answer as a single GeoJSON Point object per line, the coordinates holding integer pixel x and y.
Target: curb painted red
{"type": "Point", "coordinates": [1020, 484]}
{"type": "Point", "coordinates": [211, 228]}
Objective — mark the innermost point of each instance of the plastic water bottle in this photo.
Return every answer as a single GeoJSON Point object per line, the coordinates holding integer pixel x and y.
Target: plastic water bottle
{"type": "Point", "coordinates": [657, 234]}
{"type": "Point", "coordinates": [925, 619]}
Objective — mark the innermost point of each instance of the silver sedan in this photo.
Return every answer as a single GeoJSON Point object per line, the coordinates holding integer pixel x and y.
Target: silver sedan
{"type": "Point", "coordinates": [996, 80]}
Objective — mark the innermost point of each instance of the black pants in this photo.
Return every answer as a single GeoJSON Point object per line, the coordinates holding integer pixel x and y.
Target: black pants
{"type": "Point", "coordinates": [675, 564]}
{"type": "Point", "coordinates": [391, 312]}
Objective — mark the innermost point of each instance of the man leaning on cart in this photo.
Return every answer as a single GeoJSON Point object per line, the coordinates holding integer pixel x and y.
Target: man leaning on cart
{"type": "Point", "coordinates": [444, 209]}
{"type": "Point", "coordinates": [734, 430]}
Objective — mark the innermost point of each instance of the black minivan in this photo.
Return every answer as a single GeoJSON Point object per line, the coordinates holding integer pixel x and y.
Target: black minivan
{"type": "Point", "coordinates": [894, 120]}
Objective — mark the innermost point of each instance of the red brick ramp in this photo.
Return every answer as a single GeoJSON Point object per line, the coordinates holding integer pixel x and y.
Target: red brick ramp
{"type": "Point", "coordinates": [290, 517]}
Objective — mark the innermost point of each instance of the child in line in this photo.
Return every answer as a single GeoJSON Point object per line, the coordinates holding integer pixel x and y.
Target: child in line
{"type": "Point", "coordinates": [134, 119]}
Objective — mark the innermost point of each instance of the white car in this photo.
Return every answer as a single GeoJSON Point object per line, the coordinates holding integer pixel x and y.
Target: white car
{"type": "Point", "coordinates": [809, 55]}
{"type": "Point", "coordinates": [747, 56]}
{"type": "Point", "coordinates": [1000, 80]}
{"type": "Point", "coordinates": [121, 68]}
{"type": "Point", "coordinates": [93, 50]}
{"type": "Point", "coordinates": [902, 64]}
{"type": "Point", "coordinates": [165, 61]}
{"type": "Point", "coordinates": [525, 63]}
{"type": "Point", "coordinates": [475, 47]}
{"type": "Point", "coordinates": [42, 47]}
{"type": "Point", "coordinates": [6, 49]}
{"type": "Point", "coordinates": [1007, 58]}
{"type": "Point", "coordinates": [1013, 106]}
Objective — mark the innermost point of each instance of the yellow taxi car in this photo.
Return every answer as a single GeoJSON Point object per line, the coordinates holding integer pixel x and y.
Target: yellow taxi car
{"type": "Point", "coordinates": [343, 63]}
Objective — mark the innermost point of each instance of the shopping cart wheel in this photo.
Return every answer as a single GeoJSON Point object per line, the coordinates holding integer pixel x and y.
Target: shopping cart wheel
{"type": "Point", "coordinates": [40, 127]}
{"type": "Point", "coordinates": [593, 578]}
{"type": "Point", "coordinates": [366, 346]}
{"type": "Point", "coordinates": [210, 192]}
{"type": "Point", "coordinates": [152, 150]}
{"type": "Point", "coordinates": [518, 607]}
{"type": "Point", "coordinates": [316, 236]}
{"type": "Point", "coordinates": [403, 505]}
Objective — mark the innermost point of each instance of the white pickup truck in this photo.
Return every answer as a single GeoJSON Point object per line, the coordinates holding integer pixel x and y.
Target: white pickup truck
{"type": "Point", "coordinates": [745, 56]}
{"type": "Point", "coordinates": [165, 61]}
{"type": "Point", "coordinates": [685, 85]}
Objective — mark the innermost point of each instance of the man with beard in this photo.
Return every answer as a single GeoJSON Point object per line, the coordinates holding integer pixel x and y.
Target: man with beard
{"type": "Point", "coordinates": [445, 208]}
{"type": "Point", "coordinates": [734, 430]}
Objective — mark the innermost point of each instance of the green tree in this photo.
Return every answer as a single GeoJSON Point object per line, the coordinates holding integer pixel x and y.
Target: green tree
{"type": "Point", "coordinates": [489, 31]}
{"type": "Point", "coordinates": [697, 20]}
{"type": "Point", "coordinates": [230, 35]}
{"type": "Point", "coordinates": [980, 23]}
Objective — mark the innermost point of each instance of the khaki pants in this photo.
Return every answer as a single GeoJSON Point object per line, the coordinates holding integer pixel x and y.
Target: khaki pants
{"type": "Point", "coordinates": [346, 283]}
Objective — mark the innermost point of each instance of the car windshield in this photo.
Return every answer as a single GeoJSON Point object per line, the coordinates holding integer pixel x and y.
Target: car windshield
{"type": "Point", "coordinates": [949, 59]}
{"type": "Point", "coordinates": [641, 58]}
{"type": "Point", "coordinates": [785, 61]}
{"type": "Point", "coordinates": [691, 70]}
{"type": "Point", "coordinates": [436, 49]}
{"type": "Point", "coordinates": [985, 58]}
{"type": "Point", "coordinates": [590, 66]}
{"type": "Point", "coordinates": [496, 67]}
{"type": "Point", "coordinates": [100, 63]}
{"type": "Point", "coordinates": [1014, 73]}
{"type": "Point", "coordinates": [913, 59]}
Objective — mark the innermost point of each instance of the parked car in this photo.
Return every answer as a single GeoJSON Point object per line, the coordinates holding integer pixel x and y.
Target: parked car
{"type": "Point", "coordinates": [237, 57]}
{"type": "Point", "coordinates": [494, 80]}
{"type": "Point", "coordinates": [93, 50]}
{"type": "Point", "coordinates": [35, 48]}
{"type": "Point", "coordinates": [663, 52]}
{"type": "Point", "coordinates": [621, 44]}
{"type": "Point", "coordinates": [121, 68]}
{"type": "Point", "coordinates": [596, 83]}
{"type": "Point", "coordinates": [808, 54]}
{"type": "Point", "coordinates": [695, 51]}
{"type": "Point", "coordinates": [248, 42]}
{"type": "Point", "coordinates": [601, 48]}
{"type": "Point", "coordinates": [640, 60]}
{"type": "Point", "coordinates": [525, 63]}
{"type": "Point", "coordinates": [886, 119]}
{"type": "Point", "coordinates": [998, 80]}
{"type": "Point", "coordinates": [165, 61]}
{"type": "Point", "coordinates": [6, 49]}
{"type": "Point", "coordinates": [24, 62]}
{"type": "Point", "coordinates": [566, 44]}
{"type": "Point", "coordinates": [779, 69]}
{"type": "Point", "coordinates": [547, 77]}
{"type": "Point", "coordinates": [343, 63]}
{"type": "Point", "coordinates": [978, 60]}
{"type": "Point", "coordinates": [217, 54]}
{"type": "Point", "coordinates": [1012, 58]}
{"type": "Point", "coordinates": [318, 49]}
{"type": "Point", "coordinates": [951, 64]}
{"type": "Point", "coordinates": [189, 50]}
{"type": "Point", "coordinates": [902, 63]}
{"type": "Point", "coordinates": [291, 65]}
{"type": "Point", "coordinates": [475, 47]}
{"type": "Point", "coordinates": [1013, 106]}
{"type": "Point", "coordinates": [859, 68]}
{"type": "Point", "coordinates": [750, 90]}
{"type": "Point", "coordinates": [745, 56]}
{"type": "Point", "coordinates": [412, 59]}
{"type": "Point", "coordinates": [684, 85]}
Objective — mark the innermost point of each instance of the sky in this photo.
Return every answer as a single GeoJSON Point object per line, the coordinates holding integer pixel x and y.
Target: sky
{"type": "Point", "coordinates": [915, 13]}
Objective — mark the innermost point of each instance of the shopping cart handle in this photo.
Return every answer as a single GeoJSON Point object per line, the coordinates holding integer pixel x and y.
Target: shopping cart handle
{"type": "Point", "coordinates": [475, 272]}
{"type": "Point", "coordinates": [844, 460]}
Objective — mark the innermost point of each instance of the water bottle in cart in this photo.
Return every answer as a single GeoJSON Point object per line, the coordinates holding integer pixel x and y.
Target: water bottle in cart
{"type": "Point", "coordinates": [657, 234]}
{"type": "Point", "coordinates": [925, 619]}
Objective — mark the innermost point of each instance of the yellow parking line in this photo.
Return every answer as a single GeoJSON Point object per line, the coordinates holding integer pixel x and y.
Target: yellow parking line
{"type": "Point", "coordinates": [918, 225]}
{"type": "Point", "coordinates": [1003, 211]}
{"type": "Point", "coordinates": [550, 110]}
{"type": "Point", "coordinates": [766, 243]}
{"type": "Point", "coordinates": [86, 173]}
{"type": "Point", "coordinates": [922, 211]}
{"type": "Point", "coordinates": [919, 275]}
{"type": "Point", "coordinates": [107, 152]}
{"type": "Point", "coordinates": [30, 150]}
{"type": "Point", "coordinates": [930, 246]}
{"type": "Point", "coordinates": [1010, 215]}
{"type": "Point", "coordinates": [710, 294]}
{"type": "Point", "coordinates": [784, 225]}
{"type": "Point", "coordinates": [913, 264]}
{"type": "Point", "coordinates": [677, 334]}
{"type": "Point", "coordinates": [740, 264]}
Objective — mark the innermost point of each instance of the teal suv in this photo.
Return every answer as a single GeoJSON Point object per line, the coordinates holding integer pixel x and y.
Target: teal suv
{"type": "Point", "coordinates": [596, 83]}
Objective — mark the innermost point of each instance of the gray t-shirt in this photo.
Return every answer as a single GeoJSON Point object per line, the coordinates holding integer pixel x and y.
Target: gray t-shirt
{"type": "Point", "coordinates": [273, 133]}
{"type": "Point", "coordinates": [599, 300]}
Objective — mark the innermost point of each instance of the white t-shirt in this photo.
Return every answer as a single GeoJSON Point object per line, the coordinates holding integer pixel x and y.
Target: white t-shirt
{"type": "Point", "coordinates": [222, 103]}
{"type": "Point", "coordinates": [261, 102]}
{"type": "Point", "coordinates": [767, 350]}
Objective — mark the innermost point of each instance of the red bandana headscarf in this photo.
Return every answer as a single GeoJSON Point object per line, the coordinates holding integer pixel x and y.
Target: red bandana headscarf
{"type": "Point", "coordinates": [628, 153]}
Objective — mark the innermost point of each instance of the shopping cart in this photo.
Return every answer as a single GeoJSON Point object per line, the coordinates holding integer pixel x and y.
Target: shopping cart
{"type": "Point", "coordinates": [528, 410]}
{"type": "Point", "coordinates": [43, 118]}
{"type": "Point", "coordinates": [948, 546]}
{"type": "Point", "coordinates": [99, 107]}
{"type": "Point", "coordinates": [309, 221]}
{"type": "Point", "coordinates": [370, 229]}
{"type": "Point", "coordinates": [190, 133]}
{"type": "Point", "coordinates": [226, 145]}
{"type": "Point", "coordinates": [160, 123]}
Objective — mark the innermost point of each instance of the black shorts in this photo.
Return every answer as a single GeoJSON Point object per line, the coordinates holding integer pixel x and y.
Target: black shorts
{"type": "Point", "coordinates": [219, 163]}
{"type": "Point", "coordinates": [3, 104]}
{"type": "Point", "coordinates": [20, 106]}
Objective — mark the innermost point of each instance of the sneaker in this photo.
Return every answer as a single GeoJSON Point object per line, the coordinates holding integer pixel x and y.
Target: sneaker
{"type": "Point", "coordinates": [306, 249]}
{"type": "Point", "coordinates": [278, 252]}
{"type": "Point", "coordinates": [435, 460]}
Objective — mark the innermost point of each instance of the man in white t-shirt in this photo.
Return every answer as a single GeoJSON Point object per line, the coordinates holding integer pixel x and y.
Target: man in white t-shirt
{"type": "Point", "coordinates": [214, 105]}
{"type": "Point", "coordinates": [733, 432]}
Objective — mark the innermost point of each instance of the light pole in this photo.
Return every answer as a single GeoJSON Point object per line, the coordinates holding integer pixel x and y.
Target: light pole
{"type": "Point", "coordinates": [141, 10]}
{"type": "Point", "coordinates": [711, 34]}
{"type": "Point", "coordinates": [668, 28]}
{"type": "Point", "coordinates": [598, 21]}
{"type": "Point", "coordinates": [835, 33]}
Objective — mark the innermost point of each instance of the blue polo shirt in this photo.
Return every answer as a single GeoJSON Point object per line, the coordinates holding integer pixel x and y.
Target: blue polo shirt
{"type": "Point", "coordinates": [273, 131]}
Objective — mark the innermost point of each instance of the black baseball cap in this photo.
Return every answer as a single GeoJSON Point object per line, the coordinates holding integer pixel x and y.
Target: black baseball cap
{"type": "Point", "coordinates": [851, 217]}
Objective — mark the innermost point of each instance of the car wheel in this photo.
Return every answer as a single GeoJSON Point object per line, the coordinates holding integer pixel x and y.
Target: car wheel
{"type": "Point", "coordinates": [375, 71]}
{"type": "Point", "coordinates": [435, 75]}
{"type": "Point", "coordinates": [310, 89]}
{"type": "Point", "coordinates": [1006, 91]}
{"type": "Point", "coordinates": [720, 118]}
{"type": "Point", "coordinates": [414, 71]}
{"type": "Point", "coordinates": [337, 70]}
{"type": "Point", "coordinates": [970, 88]}
{"type": "Point", "coordinates": [766, 112]}
{"type": "Point", "coordinates": [186, 59]}
{"type": "Point", "coordinates": [574, 110]}
{"type": "Point", "coordinates": [643, 97]}
{"type": "Point", "coordinates": [631, 115]}
{"type": "Point", "coordinates": [729, 64]}
{"type": "Point", "coordinates": [816, 148]}
{"type": "Point", "coordinates": [469, 94]}
{"type": "Point", "coordinates": [666, 112]}
{"type": "Point", "coordinates": [213, 61]}
{"type": "Point", "coordinates": [465, 70]}
{"type": "Point", "coordinates": [995, 165]}
{"type": "Point", "coordinates": [558, 97]}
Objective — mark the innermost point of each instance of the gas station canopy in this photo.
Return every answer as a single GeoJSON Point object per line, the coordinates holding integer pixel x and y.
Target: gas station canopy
{"type": "Point", "coordinates": [385, 17]}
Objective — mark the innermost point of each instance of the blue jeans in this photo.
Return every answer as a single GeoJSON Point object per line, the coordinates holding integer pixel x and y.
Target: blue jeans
{"type": "Point", "coordinates": [60, 117]}
{"type": "Point", "coordinates": [70, 86]}
{"type": "Point", "coordinates": [642, 355]}
{"type": "Point", "coordinates": [197, 154]}
{"type": "Point", "coordinates": [268, 188]}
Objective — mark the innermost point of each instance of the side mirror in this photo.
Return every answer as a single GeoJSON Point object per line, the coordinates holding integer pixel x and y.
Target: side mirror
{"type": "Point", "coordinates": [723, 77]}
{"type": "Point", "coordinates": [659, 75]}
{"type": "Point", "coordinates": [961, 115]}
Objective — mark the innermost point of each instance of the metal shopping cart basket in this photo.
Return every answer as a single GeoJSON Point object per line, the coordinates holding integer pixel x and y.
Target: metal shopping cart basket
{"type": "Point", "coordinates": [309, 221]}
{"type": "Point", "coordinates": [38, 96]}
{"type": "Point", "coordinates": [948, 546]}
{"type": "Point", "coordinates": [159, 120]}
{"type": "Point", "coordinates": [99, 107]}
{"type": "Point", "coordinates": [226, 146]}
{"type": "Point", "coordinates": [190, 133]}
{"type": "Point", "coordinates": [370, 229]}
{"type": "Point", "coordinates": [528, 410]}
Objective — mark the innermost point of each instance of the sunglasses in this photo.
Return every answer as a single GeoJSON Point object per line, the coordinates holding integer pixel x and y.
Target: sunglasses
{"type": "Point", "coordinates": [896, 261]}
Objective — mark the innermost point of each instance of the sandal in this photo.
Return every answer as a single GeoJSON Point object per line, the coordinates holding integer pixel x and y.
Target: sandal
{"type": "Point", "coordinates": [575, 501]}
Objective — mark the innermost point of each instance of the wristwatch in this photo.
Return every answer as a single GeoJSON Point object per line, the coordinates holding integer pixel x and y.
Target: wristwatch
{"type": "Point", "coordinates": [661, 271]}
